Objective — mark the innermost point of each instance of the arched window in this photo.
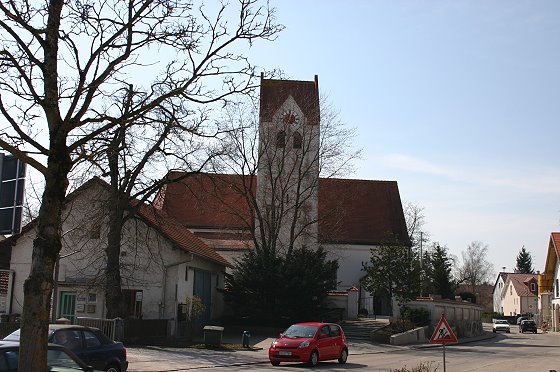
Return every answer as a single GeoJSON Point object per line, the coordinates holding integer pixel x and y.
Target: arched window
{"type": "Point", "coordinates": [281, 139]}
{"type": "Point", "coordinates": [297, 140]}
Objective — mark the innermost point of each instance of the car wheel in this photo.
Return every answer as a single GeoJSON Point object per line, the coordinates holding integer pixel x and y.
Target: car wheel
{"type": "Point", "coordinates": [113, 368]}
{"type": "Point", "coordinates": [343, 356]}
{"type": "Point", "coordinates": [494, 330]}
{"type": "Point", "coordinates": [314, 358]}
{"type": "Point", "coordinates": [275, 363]}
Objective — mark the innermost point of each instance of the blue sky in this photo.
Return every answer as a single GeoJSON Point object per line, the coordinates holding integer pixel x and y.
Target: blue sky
{"type": "Point", "coordinates": [458, 101]}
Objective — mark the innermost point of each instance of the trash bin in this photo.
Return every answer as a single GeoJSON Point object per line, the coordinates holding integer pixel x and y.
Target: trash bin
{"type": "Point", "coordinates": [213, 335]}
{"type": "Point", "coordinates": [245, 339]}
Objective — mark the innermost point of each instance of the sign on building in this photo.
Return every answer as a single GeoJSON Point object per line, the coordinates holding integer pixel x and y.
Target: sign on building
{"type": "Point", "coordinates": [12, 191]}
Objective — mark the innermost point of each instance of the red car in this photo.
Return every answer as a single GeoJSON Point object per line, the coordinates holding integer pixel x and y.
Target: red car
{"type": "Point", "coordinates": [309, 343]}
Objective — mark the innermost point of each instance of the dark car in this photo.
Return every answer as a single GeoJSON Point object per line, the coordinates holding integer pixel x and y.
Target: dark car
{"type": "Point", "coordinates": [528, 326]}
{"type": "Point", "coordinates": [309, 343]}
{"type": "Point", "coordinates": [59, 358]}
{"type": "Point", "coordinates": [520, 319]}
{"type": "Point", "coordinates": [89, 344]}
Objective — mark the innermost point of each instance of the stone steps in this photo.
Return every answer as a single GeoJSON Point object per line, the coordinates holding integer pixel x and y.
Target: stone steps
{"type": "Point", "coordinates": [361, 329]}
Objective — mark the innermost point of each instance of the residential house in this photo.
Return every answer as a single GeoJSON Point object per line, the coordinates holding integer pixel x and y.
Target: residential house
{"type": "Point", "coordinates": [549, 284]}
{"type": "Point", "coordinates": [162, 263]}
{"type": "Point", "coordinates": [519, 294]}
{"type": "Point", "coordinates": [347, 217]}
{"type": "Point", "coordinates": [497, 292]}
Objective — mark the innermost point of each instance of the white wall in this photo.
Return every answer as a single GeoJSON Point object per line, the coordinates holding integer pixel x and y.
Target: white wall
{"type": "Point", "coordinates": [350, 258]}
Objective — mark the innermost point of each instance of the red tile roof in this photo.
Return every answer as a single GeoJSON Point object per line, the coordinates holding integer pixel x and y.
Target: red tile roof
{"type": "Point", "coordinates": [350, 211]}
{"type": "Point", "coordinates": [275, 92]}
{"type": "Point", "coordinates": [179, 234]}
{"type": "Point", "coordinates": [170, 228]}
{"type": "Point", "coordinates": [521, 283]}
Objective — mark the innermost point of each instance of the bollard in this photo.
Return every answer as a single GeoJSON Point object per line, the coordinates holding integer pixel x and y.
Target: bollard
{"type": "Point", "coordinates": [245, 339]}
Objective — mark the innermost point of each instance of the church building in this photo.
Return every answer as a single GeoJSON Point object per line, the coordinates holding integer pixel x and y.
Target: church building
{"type": "Point", "coordinates": [285, 203]}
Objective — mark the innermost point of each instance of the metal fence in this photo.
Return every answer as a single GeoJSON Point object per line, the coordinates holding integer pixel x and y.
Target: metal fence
{"type": "Point", "coordinates": [112, 328]}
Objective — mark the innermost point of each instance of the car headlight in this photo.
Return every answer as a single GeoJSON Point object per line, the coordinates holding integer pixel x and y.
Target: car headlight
{"type": "Point", "coordinates": [274, 343]}
{"type": "Point", "coordinates": [304, 344]}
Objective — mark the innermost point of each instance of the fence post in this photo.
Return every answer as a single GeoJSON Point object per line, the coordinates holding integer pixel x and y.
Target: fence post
{"type": "Point", "coordinates": [352, 305]}
{"type": "Point", "coordinates": [119, 329]}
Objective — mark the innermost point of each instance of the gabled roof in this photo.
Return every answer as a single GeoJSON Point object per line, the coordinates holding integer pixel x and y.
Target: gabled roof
{"type": "Point", "coordinates": [167, 226]}
{"type": "Point", "coordinates": [502, 275]}
{"type": "Point", "coordinates": [350, 211]}
{"type": "Point", "coordinates": [179, 234]}
{"type": "Point", "coordinates": [520, 283]}
{"type": "Point", "coordinates": [553, 254]}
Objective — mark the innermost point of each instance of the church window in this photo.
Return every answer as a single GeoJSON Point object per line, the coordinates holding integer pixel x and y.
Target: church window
{"type": "Point", "coordinates": [297, 140]}
{"type": "Point", "coordinates": [281, 139]}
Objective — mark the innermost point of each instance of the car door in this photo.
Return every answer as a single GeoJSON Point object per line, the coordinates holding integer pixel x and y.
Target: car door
{"type": "Point", "coordinates": [324, 343]}
{"type": "Point", "coordinates": [93, 352]}
{"type": "Point", "coordinates": [336, 338]}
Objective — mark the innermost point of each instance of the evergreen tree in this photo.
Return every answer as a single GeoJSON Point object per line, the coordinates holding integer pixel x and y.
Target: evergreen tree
{"type": "Point", "coordinates": [440, 276]}
{"type": "Point", "coordinates": [267, 286]}
{"type": "Point", "coordinates": [524, 262]}
{"type": "Point", "coordinates": [395, 270]}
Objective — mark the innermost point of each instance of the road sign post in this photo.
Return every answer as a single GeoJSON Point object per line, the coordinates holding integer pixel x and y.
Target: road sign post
{"type": "Point", "coordinates": [443, 334]}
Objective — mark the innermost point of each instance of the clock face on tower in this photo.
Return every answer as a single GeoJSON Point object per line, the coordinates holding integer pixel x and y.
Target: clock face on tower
{"type": "Point", "coordinates": [290, 117]}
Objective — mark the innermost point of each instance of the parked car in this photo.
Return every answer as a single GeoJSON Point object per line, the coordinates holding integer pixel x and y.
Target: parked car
{"type": "Point", "coordinates": [520, 319]}
{"type": "Point", "coordinates": [501, 325]}
{"type": "Point", "coordinates": [59, 358]}
{"type": "Point", "coordinates": [528, 325]}
{"type": "Point", "coordinates": [309, 343]}
{"type": "Point", "coordinates": [88, 343]}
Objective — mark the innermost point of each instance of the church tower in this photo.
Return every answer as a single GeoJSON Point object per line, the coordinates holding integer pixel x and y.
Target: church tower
{"type": "Point", "coordinates": [288, 164]}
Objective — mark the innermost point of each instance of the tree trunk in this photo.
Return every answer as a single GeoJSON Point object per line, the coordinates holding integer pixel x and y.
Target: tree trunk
{"type": "Point", "coordinates": [113, 289]}
{"type": "Point", "coordinates": [46, 247]}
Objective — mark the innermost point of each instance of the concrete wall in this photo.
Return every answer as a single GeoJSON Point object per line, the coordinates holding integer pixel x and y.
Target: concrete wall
{"type": "Point", "coordinates": [464, 318]}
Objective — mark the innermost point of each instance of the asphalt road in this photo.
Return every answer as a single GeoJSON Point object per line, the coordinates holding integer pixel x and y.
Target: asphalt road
{"type": "Point", "coordinates": [505, 352]}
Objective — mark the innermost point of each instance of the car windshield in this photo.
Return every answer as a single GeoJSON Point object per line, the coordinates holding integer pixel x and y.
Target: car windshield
{"type": "Point", "coordinates": [14, 336]}
{"type": "Point", "coordinates": [530, 322]}
{"type": "Point", "coordinates": [300, 331]}
{"type": "Point", "coordinates": [501, 322]}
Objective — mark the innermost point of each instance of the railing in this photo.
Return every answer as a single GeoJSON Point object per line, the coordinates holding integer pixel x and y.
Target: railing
{"type": "Point", "coordinates": [366, 303]}
{"type": "Point", "coordinates": [107, 326]}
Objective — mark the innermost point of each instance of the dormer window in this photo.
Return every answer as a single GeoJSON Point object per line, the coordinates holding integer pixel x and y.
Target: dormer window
{"type": "Point", "coordinates": [533, 287]}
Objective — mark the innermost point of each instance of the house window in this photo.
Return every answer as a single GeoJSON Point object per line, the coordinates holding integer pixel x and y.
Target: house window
{"type": "Point", "coordinates": [533, 287]}
{"type": "Point", "coordinates": [133, 303]}
{"type": "Point", "coordinates": [281, 139]}
{"type": "Point", "coordinates": [510, 290]}
{"type": "Point", "coordinates": [297, 140]}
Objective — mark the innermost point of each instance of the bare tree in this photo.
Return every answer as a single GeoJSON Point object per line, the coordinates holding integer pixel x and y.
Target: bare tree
{"type": "Point", "coordinates": [415, 221]}
{"type": "Point", "coordinates": [62, 62]}
{"type": "Point", "coordinates": [475, 269]}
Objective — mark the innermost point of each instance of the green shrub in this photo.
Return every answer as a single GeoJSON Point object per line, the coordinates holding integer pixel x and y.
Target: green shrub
{"type": "Point", "coordinates": [420, 317]}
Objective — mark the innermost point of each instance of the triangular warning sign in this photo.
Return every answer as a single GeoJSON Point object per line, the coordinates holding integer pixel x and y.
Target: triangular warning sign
{"type": "Point", "coordinates": [443, 332]}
